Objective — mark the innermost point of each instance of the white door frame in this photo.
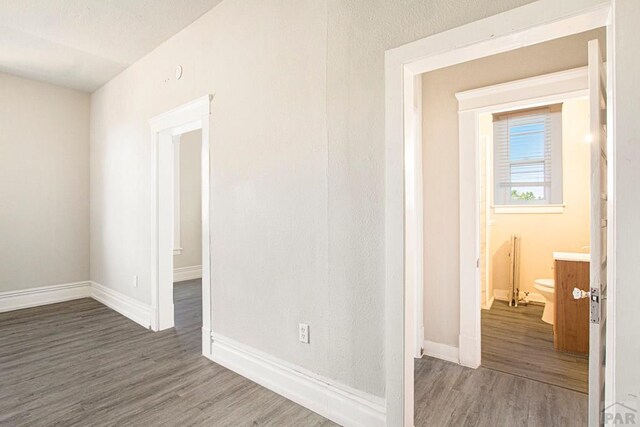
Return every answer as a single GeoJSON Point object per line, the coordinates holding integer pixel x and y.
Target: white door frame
{"type": "Point", "coordinates": [525, 93]}
{"type": "Point", "coordinates": [188, 117]}
{"type": "Point", "coordinates": [524, 26]}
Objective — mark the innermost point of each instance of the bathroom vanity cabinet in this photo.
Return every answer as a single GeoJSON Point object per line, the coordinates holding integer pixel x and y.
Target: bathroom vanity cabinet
{"type": "Point", "coordinates": [571, 328]}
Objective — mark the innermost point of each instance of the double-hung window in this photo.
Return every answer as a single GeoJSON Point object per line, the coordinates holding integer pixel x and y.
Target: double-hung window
{"type": "Point", "coordinates": [528, 156]}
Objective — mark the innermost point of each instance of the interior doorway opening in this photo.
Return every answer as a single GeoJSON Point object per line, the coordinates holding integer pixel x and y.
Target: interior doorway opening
{"type": "Point", "coordinates": [170, 134]}
{"type": "Point", "coordinates": [187, 229]}
{"type": "Point", "coordinates": [534, 244]}
{"type": "Point", "coordinates": [532, 181]}
{"type": "Point", "coordinates": [538, 22]}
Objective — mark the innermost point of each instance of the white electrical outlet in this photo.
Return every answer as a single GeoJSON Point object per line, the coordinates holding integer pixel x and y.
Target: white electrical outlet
{"type": "Point", "coordinates": [303, 330]}
{"type": "Point", "coordinates": [135, 281]}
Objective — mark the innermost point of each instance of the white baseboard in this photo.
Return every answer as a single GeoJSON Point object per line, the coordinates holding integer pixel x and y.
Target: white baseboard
{"type": "Point", "coordinates": [123, 304]}
{"type": "Point", "coordinates": [503, 295]}
{"type": "Point", "coordinates": [206, 342]}
{"type": "Point", "coordinates": [469, 352]}
{"type": "Point", "coordinates": [441, 351]}
{"type": "Point", "coordinates": [488, 305]}
{"type": "Point", "coordinates": [187, 273]}
{"type": "Point", "coordinates": [336, 402]}
{"type": "Point", "coordinates": [34, 297]}
{"type": "Point", "coordinates": [16, 300]}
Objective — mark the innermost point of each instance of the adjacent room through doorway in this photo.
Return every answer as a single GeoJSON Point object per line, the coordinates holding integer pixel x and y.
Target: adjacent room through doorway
{"type": "Point", "coordinates": [528, 112]}
{"type": "Point", "coordinates": [187, 231]}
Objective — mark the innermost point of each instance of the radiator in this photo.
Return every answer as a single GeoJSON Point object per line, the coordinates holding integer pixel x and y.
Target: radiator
{"type": "Point", "coordinates": [514, 270]}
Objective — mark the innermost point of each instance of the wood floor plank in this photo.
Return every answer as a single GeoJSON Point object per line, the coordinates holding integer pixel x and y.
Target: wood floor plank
{"type": "Point", "coordinates": [447, 394]}
{"type": "Point", "coordinates": [515, 340]}
{"type": "Point", "coordinates": [78, 363]}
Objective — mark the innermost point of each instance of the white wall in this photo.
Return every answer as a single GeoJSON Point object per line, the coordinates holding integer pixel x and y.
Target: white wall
{"type": "Point", "coordinates": [44, 184]}
{"type": "Point", "coordinates": [440, 164]}
{"type": "Point", "coordinates": [627, 219]}
{"type": "Point", "coordinates": [297, 169]}
{"type": "Point", "coordinates": [190, 201]}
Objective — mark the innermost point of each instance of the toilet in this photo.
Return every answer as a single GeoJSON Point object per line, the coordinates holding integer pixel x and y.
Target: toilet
{"type": "Point", "coordinates": [546, 289]}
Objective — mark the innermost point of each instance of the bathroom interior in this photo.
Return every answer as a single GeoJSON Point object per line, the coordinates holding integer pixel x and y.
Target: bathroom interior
{"type": "Point", "coordinates": [534, 242]}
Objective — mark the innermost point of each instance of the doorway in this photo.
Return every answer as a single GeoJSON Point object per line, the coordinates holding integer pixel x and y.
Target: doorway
{"type": "Point", "coordinates": [534, 231]}
{"type": "Point", "coordinates": [525, 26]}
{"type": "Point", "coordinates": [190, 120]}
{"type": "Point", "coordinates": [187, 229]}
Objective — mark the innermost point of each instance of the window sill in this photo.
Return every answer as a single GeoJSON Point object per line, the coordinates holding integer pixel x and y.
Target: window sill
{"type": "Point", "coordinates": [177, 251]}
{"type": "Point", "coordinates": [528, 209]}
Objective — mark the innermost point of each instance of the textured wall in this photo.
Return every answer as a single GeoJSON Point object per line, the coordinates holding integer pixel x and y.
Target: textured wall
{"type": "Point", "coordinates": [627, 226]}
{"type": "Point", "coordinates": [44, 184]}
{"type": "Point", "coordinates": [297, 169]}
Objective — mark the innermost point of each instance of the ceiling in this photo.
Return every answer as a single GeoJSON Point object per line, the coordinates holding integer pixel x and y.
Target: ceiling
{"type": "Point", "coordinates": [82, 44]}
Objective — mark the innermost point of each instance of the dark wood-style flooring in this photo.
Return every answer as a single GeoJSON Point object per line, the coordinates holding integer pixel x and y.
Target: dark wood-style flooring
{"type": "Point", "coordinates": [515, 340]}
{"type": "Point", "coordinates": [79, 363]}
{"type": "Point", "coordinates": [448, 394]}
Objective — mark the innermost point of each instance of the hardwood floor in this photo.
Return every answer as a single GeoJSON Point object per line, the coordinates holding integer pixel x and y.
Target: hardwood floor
{"type": "Point", "coordinates": [517, 341]}
{"type": "Point", "coordinates": [79, 363]}
{"type": "Point", "coordinates": [447, 394]}
{"type": "Point", "coordinates": [522, 380]}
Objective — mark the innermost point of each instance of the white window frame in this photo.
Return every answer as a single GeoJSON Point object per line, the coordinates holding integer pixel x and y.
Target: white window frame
{"type": "Point", "coordinates": [554, 193]}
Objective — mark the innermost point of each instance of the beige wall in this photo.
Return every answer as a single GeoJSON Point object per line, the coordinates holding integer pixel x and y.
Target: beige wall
{"type": "Point", "coordinates": [543, 234]}
{"type": "Point", "coordinates": [297, 169]}
{"type": "Point", "coordinates": [440, 163]}
{"type": "Point", "coordinates": [190, 201]}
{"type": "Point", "coordinates": [44, 184]}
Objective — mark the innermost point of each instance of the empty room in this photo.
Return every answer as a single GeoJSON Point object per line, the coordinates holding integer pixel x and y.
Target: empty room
{"type": "Point", "coordinates": [319, 213]}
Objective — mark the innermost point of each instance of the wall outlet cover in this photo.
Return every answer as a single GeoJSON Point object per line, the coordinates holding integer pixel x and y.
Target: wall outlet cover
{"type": "Point", "coordinates": [303, 332]}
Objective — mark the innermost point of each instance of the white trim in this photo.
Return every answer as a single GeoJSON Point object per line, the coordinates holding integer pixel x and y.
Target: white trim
{"type": "Point", "coordinates": [570, 82]}
{"type": "Point", "coordinates": [441, 351]}
{"type": "Point", "coordinates": [336, 402]}
{"type": "Point", "coordinates": [177, 233]}
{"type": "Point", "coordinates": [610, 368]}
{"type": "Point", "coordinates": [487, 305]}
{"type": "Point", "coordinates": [501, 294]}
{"type": "Point", "coordinates": [527, 25]}
{"type": "Point", "coordinates": [414, 219]}
{"type": "Point", "coordinates": [187, 273]}
{"type": "Point", "coordinates": [528, 209]}
{"type": "Point", "coordinates": [123, 304]}
{"type": "Point", "coordinates": [34, 297]}
{"type": "Point", "coordinates": [164, 127]}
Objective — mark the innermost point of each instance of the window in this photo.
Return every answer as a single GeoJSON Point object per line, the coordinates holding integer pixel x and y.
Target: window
{"type": "Point", "coordinates": [528, 156]}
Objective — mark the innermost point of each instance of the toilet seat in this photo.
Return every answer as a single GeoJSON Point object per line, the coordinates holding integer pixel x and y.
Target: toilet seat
{"type": "Point", "coordinates": [547, 283]}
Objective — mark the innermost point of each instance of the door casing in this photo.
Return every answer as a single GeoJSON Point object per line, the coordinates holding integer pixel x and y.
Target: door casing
{"type": "Point", "coordinates": [524, 26]}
